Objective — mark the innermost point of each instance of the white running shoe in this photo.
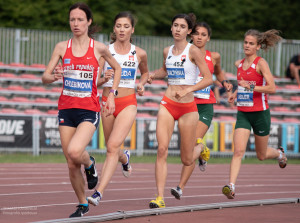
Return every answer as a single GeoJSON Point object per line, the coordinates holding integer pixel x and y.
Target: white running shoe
{"type": "Point", "coordinates": [283, 160]}
{"type": "Point", "coordinates": [95, 198]}
{"type": "Point", "coordinates": [176, 192]}
{"type": "Point", "coordinates": [202, 164]}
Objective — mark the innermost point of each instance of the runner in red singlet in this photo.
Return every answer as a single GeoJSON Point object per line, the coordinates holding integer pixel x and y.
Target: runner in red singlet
{"type": "Point", "coordinates": [255, 81]}
{"type": "Point", "coordinates": [79, 101]}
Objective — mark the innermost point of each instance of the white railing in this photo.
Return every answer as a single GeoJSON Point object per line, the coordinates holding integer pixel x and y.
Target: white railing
{"type": "Point", "coordinates": [36, 46]}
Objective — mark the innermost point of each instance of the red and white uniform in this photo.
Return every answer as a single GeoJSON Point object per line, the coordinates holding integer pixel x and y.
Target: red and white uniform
{"type": "Point", "coordinates": [129, 64]}
{"type": "Point", "coordinates": [181, 71]}
{"type": "Point", "coordinates": [206, 95]}
{"type": "Point", "coordinates": [247, 100]}
{"type": "Point", "coordinates": [80, 80]}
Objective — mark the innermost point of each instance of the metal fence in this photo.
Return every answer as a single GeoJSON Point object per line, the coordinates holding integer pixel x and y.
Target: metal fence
{"type": "Point", "coordinates": [36, 46]}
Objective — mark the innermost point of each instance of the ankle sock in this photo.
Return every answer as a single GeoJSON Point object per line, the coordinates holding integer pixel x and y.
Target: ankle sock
{"type": "Point", "coordinates": [127, 160]}
{"type": "Point", "coordinates": [100, 195]}
{"type": "Point", "coordinates": [232, 186]}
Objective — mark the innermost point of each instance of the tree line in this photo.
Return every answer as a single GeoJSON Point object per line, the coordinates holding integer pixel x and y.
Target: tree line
{"type": "Point", "coordinates": [229, 19]}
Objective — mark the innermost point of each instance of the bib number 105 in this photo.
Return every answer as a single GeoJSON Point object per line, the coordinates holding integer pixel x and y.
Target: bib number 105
{"type": "Point", "coordinates": [87, 75]}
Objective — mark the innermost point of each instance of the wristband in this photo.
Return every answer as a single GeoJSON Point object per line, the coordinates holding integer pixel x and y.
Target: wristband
{"type": "Point", "coordinates": [115, 92]}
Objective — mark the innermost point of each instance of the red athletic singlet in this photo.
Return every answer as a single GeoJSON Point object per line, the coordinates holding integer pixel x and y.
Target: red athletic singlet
{"type": "Point", "coordinates": [206, 96]}
{"type": "Point", "coordinates": [247, 100]}
{"type": "Point", "coordinates": [80, 80]}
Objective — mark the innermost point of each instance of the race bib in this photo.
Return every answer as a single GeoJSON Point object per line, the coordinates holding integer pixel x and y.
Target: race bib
{"type": "Point", "coordinates": [176, 76]}
{"type": "Point", "coordinates": [127, 76]}
{"type": "Point", "coordinates": [78, 83]}
{"type": "Point", "coordinates": [244, 97]}
{"type": "Point", "coordinates": [203, 93]}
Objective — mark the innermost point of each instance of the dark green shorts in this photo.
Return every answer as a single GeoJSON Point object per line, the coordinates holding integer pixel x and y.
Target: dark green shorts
{"type": "Point", "coordinates": [260, 121]}
{"type": "Point", "coordinates": [206, 113]}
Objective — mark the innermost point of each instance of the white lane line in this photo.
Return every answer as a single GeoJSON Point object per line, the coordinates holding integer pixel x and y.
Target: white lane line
{"type": "Point", "coordinates": [170, 179]}
{"type": "Point", "coordinates": [152, 188]}
{"type": "Point", "coordinates": [33, 173]}
{"type": "Point", "coordinates": [34, 184]}
{"type": "Point", "coordinates": [33, 178]}
{"type": "Point", "coordinates": [141, 175]}
{"type": "Point", "coordinates": [140, 199]}
{"type": "Point", "coordinates": [224, 180]}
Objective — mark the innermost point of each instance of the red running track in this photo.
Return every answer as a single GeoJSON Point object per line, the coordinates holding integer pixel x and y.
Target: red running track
{"type": "Point", "coordinates": [37, 192]}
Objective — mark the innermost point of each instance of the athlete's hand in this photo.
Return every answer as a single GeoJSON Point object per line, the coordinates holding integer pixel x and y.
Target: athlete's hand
{"type": "Point", "coordinates": [231, 97]}
{"type": "Point", "coordinates": [227, 86]}
{"type": "Point", "coordinates": [58, 72]}
{"type": "Point", "coordinates": [110, 105]}
{"type": "Point", "coordinates": [180, 94]}
{"type": "Point", "coordinates": [244, 84]}
{"type": "Point", "coordinates": [140, 89]}
{"type": "Point", "coordinates": [108, 74]}
{"type": "Point", "coordinates": [151, 78]}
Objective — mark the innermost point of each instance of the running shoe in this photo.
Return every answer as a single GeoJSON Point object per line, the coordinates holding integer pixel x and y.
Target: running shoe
{"type": "Point", "coordinates": [229, 191]}
{"type": "Point", "coordinates": [202, 164]}
{"type": "Point", "coordinates": [91, 174]}
{"type": "Point", "coordinates": [81, 210]}
{"type": "Point", "coordinates": [157, 203]}
{"type": "Point", "coordinates": [95, 198]}
{"type": "Point", "coordinates": [126, 168]}
{"type": "Point", "coordinates": [205, 153]}
{"type": "Point", "coordinates": [283, 160]}
{"type": "Point", "coordinates": [176, 192]}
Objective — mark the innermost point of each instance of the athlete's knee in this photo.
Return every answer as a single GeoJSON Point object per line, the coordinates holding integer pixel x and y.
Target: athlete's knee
{"type": "Point", "coordinates": [112, 145]}
{"type": "Point", "coordinates": [74, 156]}
{"type": "Point", "coordinates": [186, 161]}
{"type": "Point", "coordinates": [162, 152]}
{"type": "Point", "coordinates": [72, 165]}
{"type": "Point", "coordinates": [112, 152]}
{"type": "Point", "coordinates": [238, 153]}
{"type": "Point", "coordinates": [261, 157]}
{"type": "Point", "coordinates": [113, 149]}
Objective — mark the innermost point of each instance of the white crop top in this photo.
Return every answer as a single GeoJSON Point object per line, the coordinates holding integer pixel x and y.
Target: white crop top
{"type": "Point", "coordinates": [181, 71]}
{"type": "Point", "coordinates": [129, 64]}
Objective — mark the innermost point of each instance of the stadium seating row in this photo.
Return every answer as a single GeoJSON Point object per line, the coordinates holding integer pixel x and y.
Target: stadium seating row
{"type": "Point", "coordinates": [22, 92]}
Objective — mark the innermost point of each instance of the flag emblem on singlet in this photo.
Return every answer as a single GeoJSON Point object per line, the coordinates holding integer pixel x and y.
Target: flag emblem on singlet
{"type": "Point", "coordinates": [131, 57]}
{"type": "Point", "coordinates": [183, 57]}
{"type": "Point", "coordinates": [67, 61]}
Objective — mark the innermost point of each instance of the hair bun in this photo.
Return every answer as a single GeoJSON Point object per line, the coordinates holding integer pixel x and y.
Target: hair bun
{"type": "Point", "coordinates": [193, 18]}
